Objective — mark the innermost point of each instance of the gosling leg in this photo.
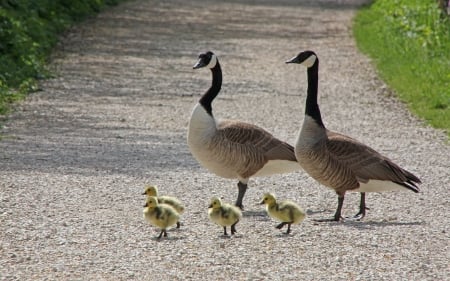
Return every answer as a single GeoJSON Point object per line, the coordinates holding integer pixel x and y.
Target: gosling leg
{"type": "Point", "coordinates": [242, 189]}
{"type": "Point", "coordinates": [178, 224]}
{"type": "Point", "coordinates": [233, 228]}
{"type": "Point", "coordinates": [289, 228]}
{"type": "Point", "coordinates": [280, 226]}
{"type": "Point", "coordinates": [225, 231]}
{"type": "Point", "coordinates": [160, 234]}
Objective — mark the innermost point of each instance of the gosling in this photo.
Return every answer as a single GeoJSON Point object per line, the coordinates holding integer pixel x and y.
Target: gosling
{"type": "Point", "coordinates": [152, 190]}
{"type": "Point", "coordinates": [224, 215]}
{"type": "Point", "coordinates": [286, 211]}
{"type": "Point", "coordinates": [160, 215]}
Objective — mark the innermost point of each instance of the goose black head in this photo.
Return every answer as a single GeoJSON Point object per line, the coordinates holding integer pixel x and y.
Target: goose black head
{"type": "Point", "coordinates": [207, 59]}
{"type": "Point", "coordinates": [306, 58]}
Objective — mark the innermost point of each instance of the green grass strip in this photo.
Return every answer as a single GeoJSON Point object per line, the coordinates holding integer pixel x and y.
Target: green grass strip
{"type": "Point", "coordinates": [409, 41]}
{"type": "Point", "coordinates": [29, 30]}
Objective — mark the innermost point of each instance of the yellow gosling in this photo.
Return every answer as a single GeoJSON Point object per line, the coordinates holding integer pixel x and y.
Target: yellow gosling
{"type": "Point", "coordinates": [286, 211]}
{"type": "Point", "coordinates": [152, 190]}
{"type": "Point", "coordinates": [224, 215]}
{"type": "Point", "coordinates": [160, 215]}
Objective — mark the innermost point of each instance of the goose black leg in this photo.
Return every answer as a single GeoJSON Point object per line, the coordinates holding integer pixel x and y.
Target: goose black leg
{"type": "Point", "coordinates": [362, 207]}
{"type": "Point", "coordinates": [242, 189]}
{"type": "Point", "coordinates": [233, 228]}
{"type": "Point", "coordinates": [337, 215]}
{"type": "Point", "coordinates": [225, 231]}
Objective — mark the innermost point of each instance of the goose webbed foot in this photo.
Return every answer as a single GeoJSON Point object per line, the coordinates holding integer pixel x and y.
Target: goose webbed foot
{"type": "Point", "coordinates": [362, 209]}
{"type": "Point", "coordinates": [242, 189]}
{"type": "Point", "coordinates": [359, 216]}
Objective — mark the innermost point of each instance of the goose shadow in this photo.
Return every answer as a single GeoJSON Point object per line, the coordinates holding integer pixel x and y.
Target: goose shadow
{"type": "Point", "coordinates": [371, 224]}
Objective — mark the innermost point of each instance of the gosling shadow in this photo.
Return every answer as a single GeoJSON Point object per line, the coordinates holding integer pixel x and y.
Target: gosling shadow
{"type": "Point", "coordinates": [254, 213]}
{"type": "Point", "coordinates": [167, 239]}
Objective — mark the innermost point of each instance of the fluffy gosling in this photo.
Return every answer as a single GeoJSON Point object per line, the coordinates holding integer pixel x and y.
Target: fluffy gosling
{"type": "Point", "coordinates": [224, 215]}
{"type": "Point", "coordinates": [152, 190]}
{"type": "Point", "coordinates": [160, 215]}
{"type": "Point", "coordinates": [286, 211]}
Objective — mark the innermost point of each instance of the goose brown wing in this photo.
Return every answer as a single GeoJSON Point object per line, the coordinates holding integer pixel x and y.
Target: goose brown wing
{"type": "Point", "coordinates": [256, 140]}
{"type": "Point", "coordinates": [364, 162]}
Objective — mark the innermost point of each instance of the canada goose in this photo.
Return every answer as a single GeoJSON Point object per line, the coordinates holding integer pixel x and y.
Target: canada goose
{"type": "Point", "coordinates": [160, 215]}
{"type": "Point", "coordinates": [224, 214]}
{"type": "Point", "coordinates": [152, 190]}
{"type": "Point", "coordinates": [285, 211]}
{"type": "Point", "coordinates": [234, 149]}
{"type": "Point", "coordinates": [338, 161]}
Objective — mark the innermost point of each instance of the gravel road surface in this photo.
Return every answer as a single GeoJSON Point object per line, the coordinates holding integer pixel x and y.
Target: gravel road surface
{"type": "Point", "coordinates": [74, 157]}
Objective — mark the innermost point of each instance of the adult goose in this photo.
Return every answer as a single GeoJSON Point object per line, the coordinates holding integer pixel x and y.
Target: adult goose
{"type": "Point", "coordinates": [338, 161]}
{"type": "Point", "coordinates": [233, 149]}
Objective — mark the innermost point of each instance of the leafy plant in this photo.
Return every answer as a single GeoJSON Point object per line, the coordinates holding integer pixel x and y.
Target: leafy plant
{"type": "Point", "coordinates": [28, 31]}
{"type": "Point", "coordinates": [409, 41]}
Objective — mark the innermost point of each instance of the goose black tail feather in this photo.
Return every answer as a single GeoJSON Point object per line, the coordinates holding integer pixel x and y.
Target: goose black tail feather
{"type": "Point", "coordinates": [409, 184]}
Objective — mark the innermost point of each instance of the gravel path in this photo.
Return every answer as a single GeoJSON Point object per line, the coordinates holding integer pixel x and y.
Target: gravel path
{"type": "Point", "coordinates": [75, 157]}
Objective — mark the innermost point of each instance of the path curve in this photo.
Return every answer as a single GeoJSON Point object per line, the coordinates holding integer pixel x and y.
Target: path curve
{"type": "Point", "coordinates": [74, 157]}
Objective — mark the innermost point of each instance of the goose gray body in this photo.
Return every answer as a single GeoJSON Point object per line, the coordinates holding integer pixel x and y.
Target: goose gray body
{"type": "Point", "coordinates": [341, 162]}
{"type": "Point", "coordinates": [233, 149]}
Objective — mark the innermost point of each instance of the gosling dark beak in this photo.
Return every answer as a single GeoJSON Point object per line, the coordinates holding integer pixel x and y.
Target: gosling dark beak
{"type": "Point", "coordinates": [210, 206]}
{"type": "Point", "coordinates": [199, 64]}
{"type": "Point", "coordinates": [261, 203]}
{"type": "Point", "coordinates": [143, 193]}
{"type": "Point", "coordinates": [294, 60]}
{"type": "Point", "coordinates": [146, 205]}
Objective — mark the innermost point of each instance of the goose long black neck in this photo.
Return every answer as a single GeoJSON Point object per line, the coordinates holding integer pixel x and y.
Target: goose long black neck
{"type": "Point", "coordinates": [312, 107]}
{"type": "Point", "coordinates": [208, 97]}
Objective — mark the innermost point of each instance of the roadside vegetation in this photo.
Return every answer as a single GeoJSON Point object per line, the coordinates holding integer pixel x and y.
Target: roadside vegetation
{"type": "Point", "coordinates": [29, 30]}
{"type": "Point", "coordinates": [409, 41]}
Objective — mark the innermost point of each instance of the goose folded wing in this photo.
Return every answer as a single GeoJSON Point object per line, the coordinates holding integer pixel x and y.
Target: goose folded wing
{"type": "Point", "coordinates": [364, 162]}
{"type": "Point", "coordinates": [256, 139]}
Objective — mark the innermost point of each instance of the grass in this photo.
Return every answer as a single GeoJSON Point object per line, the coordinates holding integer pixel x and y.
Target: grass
{"type": "Point", "coordinates": [29, 30]}
{"type": "Point", "coordinates": [409, 41]}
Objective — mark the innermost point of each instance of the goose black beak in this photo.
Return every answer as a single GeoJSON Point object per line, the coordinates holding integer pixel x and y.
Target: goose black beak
{"type": "Point", "coordinates": [294, 60]}
{"type": "Point", "coordinates": [199, 64]}
{"type": "Point", "coordinates": [261, 203]}
{"type": "Point", "coordinates": [143, 193]}
{"type": "Point", "coordinates": [146, 205]}
{"type": "Point", "coordinates": [210, 206]}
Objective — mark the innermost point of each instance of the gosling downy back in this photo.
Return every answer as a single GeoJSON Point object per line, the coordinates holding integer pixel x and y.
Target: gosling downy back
{"type": "Point", "coordinates": [160, 215]}
{"type": "Point", "coordinates": [285, 211]}
{"type": "Point", "coordinates": [152, 190]}
{"type": "Point", "coordinates": [224, 214]}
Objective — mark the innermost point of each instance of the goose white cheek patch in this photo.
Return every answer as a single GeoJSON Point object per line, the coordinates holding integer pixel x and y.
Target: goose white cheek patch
{"type": "Point", "coordinates": [212, 62]}
{"type": "Point", "coordinates": [309, 61]}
